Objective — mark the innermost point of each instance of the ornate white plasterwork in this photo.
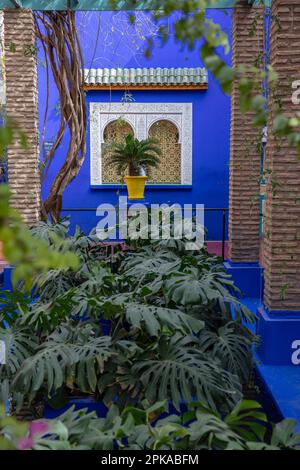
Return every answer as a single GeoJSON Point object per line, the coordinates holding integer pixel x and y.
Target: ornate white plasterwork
{"type": "Point", "coordinates": [141, 116]}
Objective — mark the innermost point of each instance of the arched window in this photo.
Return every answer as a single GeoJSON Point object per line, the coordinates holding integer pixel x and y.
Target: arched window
{"type": "Point", "coordinates": [169, 170]}
{"type": "Point", "coordinates": [170, 123]}
{"type": "Point", "coordinates": [114, 132]}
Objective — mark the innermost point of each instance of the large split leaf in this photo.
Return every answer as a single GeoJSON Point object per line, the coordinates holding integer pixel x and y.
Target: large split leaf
{"type": "Point", "coordinates": [231, 347]}
{"type": "Point", "coordinates": [155, 318]}
{"type": "Point", "coordinates": [183, 372]}
{"type": "Point", "coordinates": [66, 348]}
{"type": "Point", "coordinates": [193, 287]}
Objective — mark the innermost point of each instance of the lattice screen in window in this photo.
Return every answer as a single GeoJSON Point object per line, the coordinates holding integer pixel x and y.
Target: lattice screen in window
{"type": "Point", "coordinates": [169, 123]}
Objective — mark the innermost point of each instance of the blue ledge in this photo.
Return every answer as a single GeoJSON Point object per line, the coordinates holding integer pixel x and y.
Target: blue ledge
{"type": "Point", "coordinates": [281, 382]}
{"type": "Point", "coordinates": [248, 277]}
{"type": "Point", "coordinates": [280, 337]}
{"type": "Point", "coordinates": [122, 187]}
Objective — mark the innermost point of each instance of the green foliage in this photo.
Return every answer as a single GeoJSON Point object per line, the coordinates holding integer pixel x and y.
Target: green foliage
{"type": "Point", "coordinates": [134, 154]}
{"type": "Point", "coordinates": [51, 232]}
{"type": "Point", "coordinates": [29, 254]}
{"type": "Point", "coordinates": [163, 345]}
{"type": "Point", "coordinates": [154, 319]}
{"type": "Point", "coordinates": [181, 371]}
{"type": "Point", "coordinates": [192, 287]}
{"type": "Point", "coordinates": [11, 305]}
{"type": "Point", "coordinates": [44, 316]}
{"type": "Point", "coordinates": [10, 133]}
{"type": "Point", "coordinates": [176, 328]}
{"type": "Point", "coordinates": [19, 346]}
{"type": "Point", "coordinates": [11, 431]}
{"type": "Point", "coordinates": [141, 428]}
{"type": "Point", "coordinates": [67, 351]}
{"type": "Point", "coordinates": [199, 428]}
{"type": "Point", "coordinates": [284, 437]}
{"type": "Point", "coordinates": [231, 346]}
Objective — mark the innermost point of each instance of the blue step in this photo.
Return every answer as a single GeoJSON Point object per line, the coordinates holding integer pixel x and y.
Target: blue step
{"type": "Point", "coordinates": [282, 382]}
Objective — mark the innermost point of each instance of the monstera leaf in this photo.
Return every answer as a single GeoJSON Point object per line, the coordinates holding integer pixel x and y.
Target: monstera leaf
{"type": "Point", "coordinates": [55, 283]}
{"type": "Point", "coordinates": [196, 287]}
{"type": "Point", "coordinates": [153, 319]}
{"type": "Point", "coordinates": [19, 345]}
{"type": "Point", "coordinates": [182, 372]}
{"type": "Point", "coordinates": [230, 347]}
{"type": "Point", "coordinates": [148, 261]}
{"type": "Point", "coordinates": [68, 347]}
{"type": "Point", "coordinates": [50, 232]}
{"type": "Point", "coordinates": [192, 287]}
{"type": "Point", "coordinates": [46, 316]}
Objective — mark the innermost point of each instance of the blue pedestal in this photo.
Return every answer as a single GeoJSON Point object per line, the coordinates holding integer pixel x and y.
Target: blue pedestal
{"type": "Point", "coordinates": [279, 337]}
{"type": "Point", "coordinates": [248, 277]}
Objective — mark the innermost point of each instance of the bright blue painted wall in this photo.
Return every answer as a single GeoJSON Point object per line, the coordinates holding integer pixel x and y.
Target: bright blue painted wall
{"type": "Point", "coordinates": [211, 116]}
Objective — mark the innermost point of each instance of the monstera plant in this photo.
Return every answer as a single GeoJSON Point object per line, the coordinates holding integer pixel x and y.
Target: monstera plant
{"type": "Point", "coordinates": [124, 327]}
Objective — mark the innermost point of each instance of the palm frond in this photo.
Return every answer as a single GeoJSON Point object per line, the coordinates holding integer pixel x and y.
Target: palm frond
{"type": "Point", "coordinates": [134, 153]}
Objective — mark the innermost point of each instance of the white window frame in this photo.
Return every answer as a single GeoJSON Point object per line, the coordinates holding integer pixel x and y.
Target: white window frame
{"type": "Point", "coordinates": [141, 116]}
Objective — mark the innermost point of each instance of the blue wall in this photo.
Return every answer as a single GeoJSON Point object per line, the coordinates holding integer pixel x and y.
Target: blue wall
{"type": "Point", "coordinates": [211, 115]}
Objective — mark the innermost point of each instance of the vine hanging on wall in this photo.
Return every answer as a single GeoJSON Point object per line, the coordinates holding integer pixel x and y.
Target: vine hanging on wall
{"type": "Point", "coordinates": [58, 34]}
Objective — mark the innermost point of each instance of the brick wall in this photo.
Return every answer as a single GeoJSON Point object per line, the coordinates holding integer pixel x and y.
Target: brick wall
{"type": "Point", "coordinates": [282, 210]}
{"type": "Point", "coordinates": [244, 158]}
{"type": "Point", "coordinates": [22, 108]}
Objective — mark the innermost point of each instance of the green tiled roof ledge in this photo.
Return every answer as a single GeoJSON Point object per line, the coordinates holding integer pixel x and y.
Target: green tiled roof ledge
{"type": "Point", "coordinates": [104, 4]}
{"type": "Point", "coordinates": [146, 76]}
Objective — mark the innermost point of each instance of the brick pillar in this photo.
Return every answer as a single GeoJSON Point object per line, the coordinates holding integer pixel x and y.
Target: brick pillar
{"type": "Point", "coordinates": [244, 158]}
{"type": "Point", "coordinates": [282, 209]}
{"type": "Point", "coordinates": [22, 108]}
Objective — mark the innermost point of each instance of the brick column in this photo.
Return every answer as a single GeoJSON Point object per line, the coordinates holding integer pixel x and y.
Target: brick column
{"type": "Point", "coordinates": [244, 157]}
{"type": "Point", "coordinates": [22, 108]}
{"type": "Point", "coordinates": [282, 210]}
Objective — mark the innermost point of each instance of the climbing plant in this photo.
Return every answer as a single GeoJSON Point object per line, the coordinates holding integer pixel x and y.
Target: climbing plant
{"type": "Point", "coordinates": [58, 34]}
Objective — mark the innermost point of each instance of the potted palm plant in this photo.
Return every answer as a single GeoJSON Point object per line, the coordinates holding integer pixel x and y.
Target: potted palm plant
{"type": "Point", "coordinates": [134, 157]}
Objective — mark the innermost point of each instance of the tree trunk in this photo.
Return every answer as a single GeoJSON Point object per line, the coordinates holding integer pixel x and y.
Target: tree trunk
{"type": "Point", "coordinates": [61, 44]}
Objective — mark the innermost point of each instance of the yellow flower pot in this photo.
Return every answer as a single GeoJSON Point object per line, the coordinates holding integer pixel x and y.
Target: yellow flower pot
{"type": "Point", "coordinates": [135, 186]}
